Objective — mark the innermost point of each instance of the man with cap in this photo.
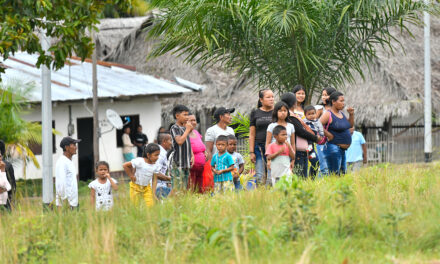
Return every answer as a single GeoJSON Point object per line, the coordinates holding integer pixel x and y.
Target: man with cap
{"type": "Point", "coordinates": [66, 183]}
{"type": "Point", "coordinates": [223, 118]}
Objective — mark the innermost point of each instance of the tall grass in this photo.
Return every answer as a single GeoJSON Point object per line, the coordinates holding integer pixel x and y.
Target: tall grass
{"type": "Point", "coordinates": [382, 214]}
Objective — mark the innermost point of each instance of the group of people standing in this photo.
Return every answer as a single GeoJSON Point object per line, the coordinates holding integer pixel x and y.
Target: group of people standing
{"type": "Point", "coordinates": [284, 138]}
{"type": "Point", "coordinates": [180, 158]}
{"type": "Point", "coordinates": [316, 135]}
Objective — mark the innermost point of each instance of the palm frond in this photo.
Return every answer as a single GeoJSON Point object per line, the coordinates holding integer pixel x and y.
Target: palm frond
{"type": "Point", "coordinates": [242, 123]}
{"type": "Point", "coordinates": [283, 42]}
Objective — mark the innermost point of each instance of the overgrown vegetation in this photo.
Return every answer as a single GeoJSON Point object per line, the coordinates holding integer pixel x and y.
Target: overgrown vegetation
{"type": "Point", "coordinates": [382, 214]}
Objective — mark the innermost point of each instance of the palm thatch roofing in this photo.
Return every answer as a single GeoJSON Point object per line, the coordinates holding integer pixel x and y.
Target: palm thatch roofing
{"type": "Point", "coordinates": [393, 85]}
{"type": "Point", "coordinates": [112, 31]}
{"type": "Point", "coordinates": [222, 88]}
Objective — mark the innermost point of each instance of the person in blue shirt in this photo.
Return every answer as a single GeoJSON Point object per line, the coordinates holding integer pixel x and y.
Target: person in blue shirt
{"type": "Point", "coordinates": [357, 152]}
{"type": "Point", "coordinates": [222, 166]}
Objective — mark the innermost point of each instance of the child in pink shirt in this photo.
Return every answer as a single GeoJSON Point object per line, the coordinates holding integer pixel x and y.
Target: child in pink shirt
{"type": "Point", "coordinates": [280, 155]}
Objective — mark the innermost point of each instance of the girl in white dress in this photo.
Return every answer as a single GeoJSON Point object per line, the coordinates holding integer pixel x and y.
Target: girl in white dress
{"type": "Point", "coordinates": [101, 189]}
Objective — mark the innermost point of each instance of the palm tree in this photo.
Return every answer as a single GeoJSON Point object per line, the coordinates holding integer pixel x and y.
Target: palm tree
{"type": "Point", "coordinates": [135, 8]}
{"type": "Point", "coordinates": [17, 133]}
{"type": "Point", "coordinates": [282, 43]}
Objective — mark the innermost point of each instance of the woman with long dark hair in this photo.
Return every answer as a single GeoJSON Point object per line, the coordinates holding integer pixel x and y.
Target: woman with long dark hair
{"type": "Point", "coordinates": [338, 133]}
{"type": "Point", "coordinates": [325, 105]}
{"type": "Point", "coordinates": [300, 93]}
{"type": "Point", "coordinates": [260, 119]}
{"type": "Point", "coordinates": [302, 134]}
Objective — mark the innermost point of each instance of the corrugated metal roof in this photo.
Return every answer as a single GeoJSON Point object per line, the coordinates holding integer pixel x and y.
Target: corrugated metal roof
{"type": "Point", "coordinates": [75, 82]}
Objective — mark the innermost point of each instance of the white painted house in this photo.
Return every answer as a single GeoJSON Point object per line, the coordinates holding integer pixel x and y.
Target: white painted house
{"type": "Point", "coordinates": [120, 88]}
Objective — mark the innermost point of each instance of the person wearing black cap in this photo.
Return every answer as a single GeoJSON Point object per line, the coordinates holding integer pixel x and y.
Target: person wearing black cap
{"type": "Point", "coordinates": [66, 183]}
{"type": "Point", "coordinates": [9, 169]}
{"type": "Point", "coordinates": [223, 118]}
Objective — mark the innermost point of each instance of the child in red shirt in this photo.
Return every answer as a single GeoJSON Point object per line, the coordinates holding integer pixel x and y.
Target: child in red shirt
{"type": "Point", "coordinates": [280, 155]}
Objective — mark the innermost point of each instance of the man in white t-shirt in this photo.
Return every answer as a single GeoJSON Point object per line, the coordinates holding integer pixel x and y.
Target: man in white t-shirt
{"type": "Point", "coordinates": [223, 118]}
{"type": "Point", "coordinates": [66, 182]}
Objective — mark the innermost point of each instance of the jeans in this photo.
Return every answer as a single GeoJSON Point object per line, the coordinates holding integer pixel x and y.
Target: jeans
{"type": "Point", "coordinates": [335, 157]}
{"type": "Point", "coordinates": [237, 184]}
{"type": "Point", "coordinates": [162, 192]}
{"type": "Point", "coordinates": [301, 163]}
{"type": "Point", "coordinates": [260, 163]}
{"type": "Point", "coordinates": [322, 160]}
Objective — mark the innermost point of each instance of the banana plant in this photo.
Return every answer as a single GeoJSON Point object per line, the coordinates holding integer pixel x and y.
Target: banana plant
{"type": "Point", "coordinates": [17, 133]}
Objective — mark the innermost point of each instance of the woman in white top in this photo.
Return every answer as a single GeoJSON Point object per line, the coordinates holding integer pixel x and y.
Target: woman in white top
{"type": "Point", "coordinates": [127, 145]}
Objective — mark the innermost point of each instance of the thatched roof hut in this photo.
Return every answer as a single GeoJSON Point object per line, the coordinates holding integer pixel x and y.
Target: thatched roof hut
{"type": "Point", "coordinates": [112, 31]}
{"type": "Point", "coordinates": [393, 88]}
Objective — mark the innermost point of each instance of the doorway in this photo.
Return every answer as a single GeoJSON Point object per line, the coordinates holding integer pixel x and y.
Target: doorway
{"type": "Point", "coordinates": [85, 148]}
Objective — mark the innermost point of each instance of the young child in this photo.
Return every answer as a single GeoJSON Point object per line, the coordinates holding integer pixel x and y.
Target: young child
{"type": "Point", "coordinates": [238, 161]}
{"type": "Point", "coordinates": [4, 184]}
{"type": "Point", "coordinates": [101, 189]}
{"type": "Point", "coordinates": [312, 121]}
{"type": "Point", "coordinates": [143, 173]}
{"type": "Point", "coordinates": [165, 144]}
{"type": "Point", "coordinates": [279, 117]}
{"type": "Point", "coordinates": [318, 129]}
{"type": "Point", "coordinates": [280, 155]}
{"type": "Point", "coordinates": [222, 166]}
{"type": "Point", "coordinates": [183, 156]}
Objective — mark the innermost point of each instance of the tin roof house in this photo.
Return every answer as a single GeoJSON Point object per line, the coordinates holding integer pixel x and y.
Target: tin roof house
{"type": "Point", "coordinates": [130, 93]}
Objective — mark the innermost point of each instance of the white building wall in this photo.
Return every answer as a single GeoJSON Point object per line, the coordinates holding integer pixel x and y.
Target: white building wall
{"type": "Point", "coordinates": [148, 109]}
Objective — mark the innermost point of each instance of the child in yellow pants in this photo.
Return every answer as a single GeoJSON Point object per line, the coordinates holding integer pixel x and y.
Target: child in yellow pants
{"type": "Point", "coordinates": [137, 191]}
{"type": "Point", "coordinates": [143, 173]}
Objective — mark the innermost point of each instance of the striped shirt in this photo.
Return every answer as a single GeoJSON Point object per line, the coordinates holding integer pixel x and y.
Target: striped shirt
{"type": "Point", "coordinates": [182, 153]}
{"type": "Point", "coordinates": [220, 163]}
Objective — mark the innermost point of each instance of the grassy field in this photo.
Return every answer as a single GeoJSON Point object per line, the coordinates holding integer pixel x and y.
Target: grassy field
{"type": "Point", "coordinates": [383, 214]}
